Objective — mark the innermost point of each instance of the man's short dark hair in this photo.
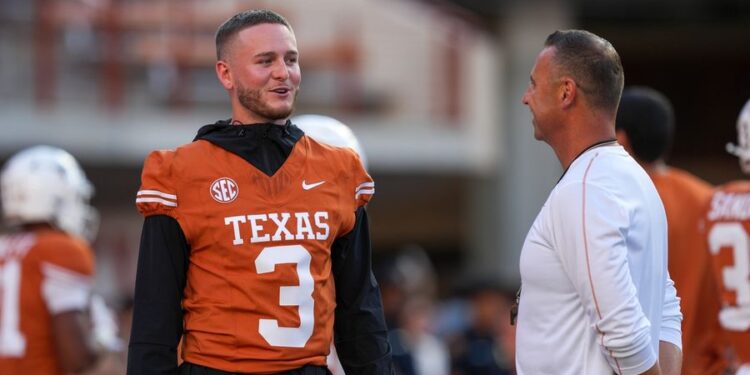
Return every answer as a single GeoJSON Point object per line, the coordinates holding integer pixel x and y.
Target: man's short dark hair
{"type": "Point", "coordinates": [647, 118]}
{"type": "Point", "coordinates": [241, 21]}
{"type": "Point", "coordinates": [592, 62]}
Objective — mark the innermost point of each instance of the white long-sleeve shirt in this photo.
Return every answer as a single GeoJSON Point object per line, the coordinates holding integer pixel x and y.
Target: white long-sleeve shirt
{"type": "Point", "coordinates": [596, 296]}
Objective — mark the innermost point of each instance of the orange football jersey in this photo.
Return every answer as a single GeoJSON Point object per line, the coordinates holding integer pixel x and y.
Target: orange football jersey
{"type": "Point", "coordinates": [260, 294]}
{"type": "Point", "coordinates": [685, 197]}
{"type": "Point", "coordinates": [728, 232]}
{"type": "Point", "coordinates": [41, 273]}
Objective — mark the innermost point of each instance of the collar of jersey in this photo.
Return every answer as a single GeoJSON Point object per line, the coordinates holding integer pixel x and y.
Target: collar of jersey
{"type": "Point", "coordinates": [224, 128]}
{"type": "Point", "coordinates": [266, 146]}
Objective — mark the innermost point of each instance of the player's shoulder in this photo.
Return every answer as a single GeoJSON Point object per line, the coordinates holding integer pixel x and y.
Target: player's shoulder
{"type": "Point", "coordinates": [162, 173]}
{"type": "Point", "coordinates": [345, 160]}
{"type": "Point", "coordinates": [689, 179]}
{"type": "Point", "coordinates": [63, 250]}
{"type": "Point", "coordinates": [677, 184]}
{"type": "Point", "coordinates": [169, 159]}
{"type": "Point", "coordinates": [343, 157]}
{"type": "Point", "coordinates": [738, 187]}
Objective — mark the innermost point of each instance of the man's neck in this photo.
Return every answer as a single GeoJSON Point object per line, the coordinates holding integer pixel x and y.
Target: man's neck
{"type": "Point", "coordinates": [580, 136]}
{"type": "Point", "coordinates": [245, 118]}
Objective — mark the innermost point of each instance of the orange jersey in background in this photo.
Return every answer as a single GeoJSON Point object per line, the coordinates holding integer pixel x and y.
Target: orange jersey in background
{"type": "Point", "coordinates": [685, 197]}
{"type": "Point", "coordinates": [41, 273]}
{"type": "Point", "coordinates": [260, 294]}
{"type": "Point", "coordinates": [728, 233]}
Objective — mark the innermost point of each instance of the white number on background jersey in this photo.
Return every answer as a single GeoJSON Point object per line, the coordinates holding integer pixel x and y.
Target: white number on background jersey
{"type": "Point", "coordinates": [295, 337]}
{"type": "Point", "coordinates": [737, 277]}
{"type": "Point", "coordinates": [12, 342]}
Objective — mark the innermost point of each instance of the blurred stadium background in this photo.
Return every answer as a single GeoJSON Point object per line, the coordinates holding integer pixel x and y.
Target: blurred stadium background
{"type": "Point", "coordinates": [432, 88]}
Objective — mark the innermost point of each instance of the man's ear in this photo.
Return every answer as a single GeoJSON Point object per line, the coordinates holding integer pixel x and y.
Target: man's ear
{"type": "Point", "coordinates": [224, 74]}
{"type": "Point", "coordinates": [568, 92]}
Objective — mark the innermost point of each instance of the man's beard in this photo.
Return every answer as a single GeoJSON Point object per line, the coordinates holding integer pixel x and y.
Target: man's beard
{"type": "Point", "coordinates": [251, 100]}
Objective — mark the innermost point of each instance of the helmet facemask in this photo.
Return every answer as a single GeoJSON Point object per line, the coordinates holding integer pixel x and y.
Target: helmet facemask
{"type": "Point", "coordinates": [742, 150]}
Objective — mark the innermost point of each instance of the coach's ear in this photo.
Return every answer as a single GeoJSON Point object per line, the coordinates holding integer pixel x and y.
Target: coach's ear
{"type": "Point", "coordinates": [224, 74]}
{"type": "Point", "coordinates": [568, 92]}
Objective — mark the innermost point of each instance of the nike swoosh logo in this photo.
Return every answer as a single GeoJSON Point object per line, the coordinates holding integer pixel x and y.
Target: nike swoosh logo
{"type": "Point", "coordinates": [312, 186]}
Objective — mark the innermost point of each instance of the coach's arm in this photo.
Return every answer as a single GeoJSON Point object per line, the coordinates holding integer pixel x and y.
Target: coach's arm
{"type": "Point", "coordinates": [670, 336]}
{"type": "Point", "coordinates": [670, 358]}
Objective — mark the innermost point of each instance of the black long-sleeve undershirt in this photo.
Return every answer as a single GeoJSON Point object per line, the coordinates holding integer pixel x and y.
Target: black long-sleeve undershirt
{"type": "Point", "coordinates": [157, 309]}
{"type": "Point", "coordinates": [360, 332]}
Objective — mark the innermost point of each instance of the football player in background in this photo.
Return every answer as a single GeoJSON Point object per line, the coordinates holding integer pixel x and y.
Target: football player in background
{"type": "Point", "coordinates": [645, 127]}
{"type": "Point", "coordinates": [48, 318]}
{"type": "Point", "coordinates": [728, 234]}
{"type": "Point", "coordinates": [330, 131]}
{"type": "Point", "coordinates": [255, 244]}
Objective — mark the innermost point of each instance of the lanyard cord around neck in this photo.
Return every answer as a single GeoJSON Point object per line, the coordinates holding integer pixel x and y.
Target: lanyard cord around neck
{"type": "Point", "coordinates": [606, 142]}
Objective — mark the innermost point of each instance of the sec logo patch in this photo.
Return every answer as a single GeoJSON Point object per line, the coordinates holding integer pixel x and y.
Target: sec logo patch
{"type": "Point", "coordinates": [224, 190]}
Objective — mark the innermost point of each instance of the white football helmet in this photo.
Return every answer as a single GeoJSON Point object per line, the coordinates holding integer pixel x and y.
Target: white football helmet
{"type": "Point", "coordinates": [44, 184]}
{"type": "Point", "coordinates": [742, 149]}
{"type": "Point", "coordinates": [330, 131]}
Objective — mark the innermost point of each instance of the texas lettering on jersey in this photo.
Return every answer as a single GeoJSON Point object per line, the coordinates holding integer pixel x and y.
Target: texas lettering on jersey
{"type": "Point", "coordinates": [275, 227]}
{"type": "Point", "coordinates": [260, 295]}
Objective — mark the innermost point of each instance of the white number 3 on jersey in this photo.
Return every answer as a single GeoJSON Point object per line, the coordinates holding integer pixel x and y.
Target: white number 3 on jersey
{"type": "Point", "coordinates": [736, 277]}
{"type": "Point", "coordinates": [294, 337]}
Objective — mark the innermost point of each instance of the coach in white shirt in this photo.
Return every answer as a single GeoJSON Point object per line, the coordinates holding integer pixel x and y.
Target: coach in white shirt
{"type": "Point", "coordinates": [596, 296]}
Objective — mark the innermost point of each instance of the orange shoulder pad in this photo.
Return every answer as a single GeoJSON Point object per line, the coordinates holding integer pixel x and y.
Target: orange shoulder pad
{"type": "Point", "coordinates": [65, 251]}
{"type": "Point", "coordinates": [158, 192]}
{"type": "Point", "coordinates": [364, 186]}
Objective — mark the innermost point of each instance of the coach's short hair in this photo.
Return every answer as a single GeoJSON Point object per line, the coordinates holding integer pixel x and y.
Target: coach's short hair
{"type": "Point", "coordinates": [241, 21]}
{"type": "Point", "coordinates": [647, 118]}
{"type": "Point", "coordinates": [593, 64]}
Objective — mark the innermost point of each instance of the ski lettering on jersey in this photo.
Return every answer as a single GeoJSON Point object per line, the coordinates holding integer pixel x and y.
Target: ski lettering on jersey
{"type": "Point", "coordinates": [279, 226]}
{"type": "Point", "coordinates": [730, 206]}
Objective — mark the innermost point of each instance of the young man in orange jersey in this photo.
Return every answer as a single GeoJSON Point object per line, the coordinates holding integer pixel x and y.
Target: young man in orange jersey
{"type": "Point", "coordinates": [645, 125]}
{"type": "Point", "coordinates": [47, 266]}
{"type": "Point", "coordinates": [728, 234]}
{"type": "Point", "coordinates": [255, 248]}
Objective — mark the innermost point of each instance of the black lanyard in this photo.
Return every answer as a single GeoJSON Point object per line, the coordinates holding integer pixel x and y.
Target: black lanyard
{"type": "Point", "coordinates": [605, 142]}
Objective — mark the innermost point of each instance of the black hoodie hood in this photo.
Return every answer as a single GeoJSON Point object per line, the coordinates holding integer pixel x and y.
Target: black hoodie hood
{"type": "Point", "coordinates": [266, 146]}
